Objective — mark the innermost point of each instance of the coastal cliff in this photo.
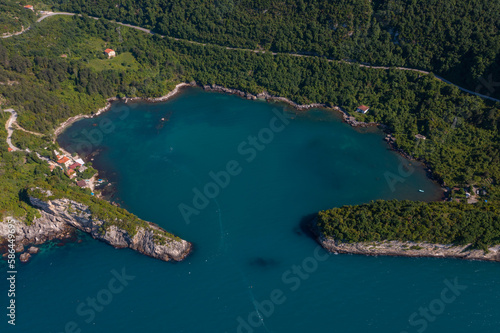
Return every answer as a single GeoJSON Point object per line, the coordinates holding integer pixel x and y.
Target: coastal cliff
{"type": "Point", "coordinates": [409, 249]}
{"type": "Point", "coordinates": [59, 218]}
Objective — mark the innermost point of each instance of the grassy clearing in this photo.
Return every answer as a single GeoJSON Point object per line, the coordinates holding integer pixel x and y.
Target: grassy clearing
{"type": "Point", "coordinates": [124, 61]}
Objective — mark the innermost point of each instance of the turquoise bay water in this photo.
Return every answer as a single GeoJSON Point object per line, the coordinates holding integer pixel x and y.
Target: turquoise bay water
{"type": "Point", "coordinates": [250, 252]}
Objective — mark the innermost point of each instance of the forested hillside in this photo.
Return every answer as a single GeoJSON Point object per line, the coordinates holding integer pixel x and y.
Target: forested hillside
{"type": "Point", "coordinates": [453, 38]}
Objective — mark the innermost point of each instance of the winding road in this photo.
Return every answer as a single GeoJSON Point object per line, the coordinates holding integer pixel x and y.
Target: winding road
{"type": "Point", "coordinates": [14, 33]}
{"type": "Point", "coordinates": [10, 130]}
{"type": "Point", "coordinates": [12, 124]}
{"type": "Point", "coordinates": [260, 51]}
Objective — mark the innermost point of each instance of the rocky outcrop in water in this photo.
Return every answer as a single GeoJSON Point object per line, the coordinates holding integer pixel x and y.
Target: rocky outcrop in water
{"type": "Point", "coordinates": [351, 120]}
{"type": "Point", "coordinates": [60, 217]}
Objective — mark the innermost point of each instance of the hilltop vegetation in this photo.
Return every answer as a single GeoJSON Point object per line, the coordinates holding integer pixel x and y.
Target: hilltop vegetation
{"type": "Point", "coordinates": [457, 39]}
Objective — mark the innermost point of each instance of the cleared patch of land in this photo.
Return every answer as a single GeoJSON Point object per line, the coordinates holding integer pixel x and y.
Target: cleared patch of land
{"type": "Point", "coordinates": [123, 61]}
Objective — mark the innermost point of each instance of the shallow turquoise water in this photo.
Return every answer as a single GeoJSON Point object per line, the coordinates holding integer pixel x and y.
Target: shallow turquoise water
{"type": "Point", "coordinates": [248, 240]}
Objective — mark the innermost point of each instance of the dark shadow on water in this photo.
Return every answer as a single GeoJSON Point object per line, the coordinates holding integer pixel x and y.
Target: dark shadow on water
{"type": "Point", "coordinates": [305, 227]}
{"type": "Point", "coordinates": [263, 262]}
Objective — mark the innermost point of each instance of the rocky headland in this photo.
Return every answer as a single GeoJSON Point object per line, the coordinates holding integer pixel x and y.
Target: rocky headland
{"type": "Point", "coordinates": [60, 217]}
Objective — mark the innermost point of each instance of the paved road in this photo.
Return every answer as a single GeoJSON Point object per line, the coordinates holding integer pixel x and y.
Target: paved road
{"type": "Point", "coordinates": [52, 14]}
{"type": "Point", "coordinates": [9, 128]}
{"type": "Point", "coordinates": [273, 53]}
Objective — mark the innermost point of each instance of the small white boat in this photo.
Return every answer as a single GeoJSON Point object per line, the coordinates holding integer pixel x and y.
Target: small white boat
{"type": "Point", "coordinates": [421, 191]}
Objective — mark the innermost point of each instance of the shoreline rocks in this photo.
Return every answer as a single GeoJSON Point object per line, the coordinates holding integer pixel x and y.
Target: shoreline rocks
{"type": "Point", "coordinates": [406, 249]}
{"type": "Point", "coordinates": [61, 217]}
{"type": "Point", "coordinates": [411, 249]}
{"type": "Point", "coordinates": [263, 95]}
{"type": "Point", "coordinates": [351, 120]}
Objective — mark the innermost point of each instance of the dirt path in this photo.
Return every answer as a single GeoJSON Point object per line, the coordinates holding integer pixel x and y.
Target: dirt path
{"type": "Point", "coordinates": [14, 33]}
{"type": "Point", "coordinates": [10, 130]}
{"type": "Point", "coordinates": [18, 127]}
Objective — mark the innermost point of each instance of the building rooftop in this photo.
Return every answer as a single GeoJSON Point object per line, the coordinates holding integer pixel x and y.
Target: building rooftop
{"type": "Point", "coordinates": [363, 108]}
{"type": "Point", "coordinates": [79, 160]}
{"type": "Point", "coordinates": [63, 160]}
{"type": "Point", "coordinates": [74, 165]}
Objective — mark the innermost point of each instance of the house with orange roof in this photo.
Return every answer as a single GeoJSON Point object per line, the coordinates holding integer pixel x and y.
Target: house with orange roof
{"type": "Point", "coordinates": [29, 7]}
{"type": "Point", "coordinates": [110, 53]}
{"type": "Point", "coordinates": [10, 149]}
{"type": "Point", "coordinates": [65, 161]}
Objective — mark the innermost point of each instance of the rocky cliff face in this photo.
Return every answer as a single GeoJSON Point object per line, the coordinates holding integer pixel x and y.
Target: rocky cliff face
{"type": "Point", "coordinates": [61, 216]}
{"type": "Point", "coordinates": [409, 249]}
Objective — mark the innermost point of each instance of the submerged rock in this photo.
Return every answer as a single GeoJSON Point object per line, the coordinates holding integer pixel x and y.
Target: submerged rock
{"type": "Point", "coordinates": [25, 257]}
{"type": "Point", "coordinates": [33, 250]}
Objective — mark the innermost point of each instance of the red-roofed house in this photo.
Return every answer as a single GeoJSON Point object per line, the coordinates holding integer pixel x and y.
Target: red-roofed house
{"type": "Point", "coordinates": [65, 161]}
{"type": "Point", "coordinates": [9, 149]}
{"type": "Point", "coordinates": [362, 109]}
{"type": "Point", "coordinates": [110, 53]}
{"type": "Point", "coordinates": [29, 7]}
{"type": "Point", "coordinates": [74, 165]}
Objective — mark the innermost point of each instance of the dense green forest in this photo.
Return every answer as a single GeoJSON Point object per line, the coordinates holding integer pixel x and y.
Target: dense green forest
{"type": "Point", "coordinates": [462, 143]}
{"type": "Point", "coordinates": [456, 39]}
{"type": "Point", "coordinates": [451, 223]}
